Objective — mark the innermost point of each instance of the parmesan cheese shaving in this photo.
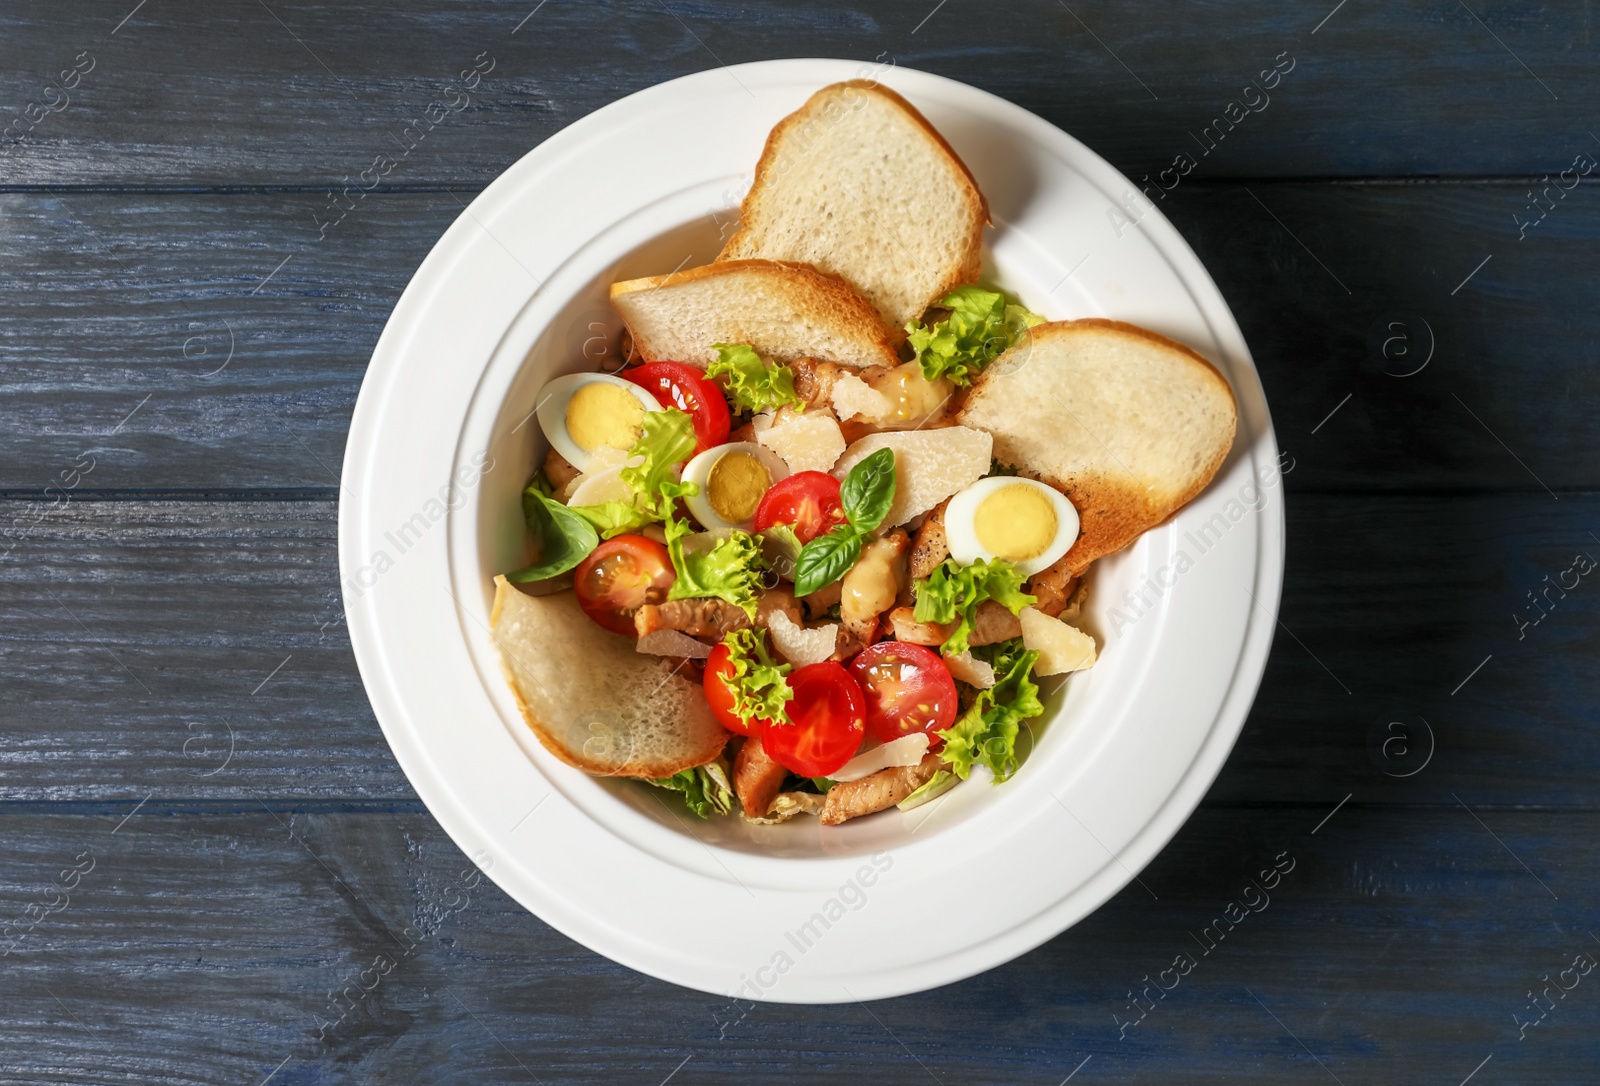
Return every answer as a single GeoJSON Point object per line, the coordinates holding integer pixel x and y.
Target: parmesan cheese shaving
{"type": "Point", "coordinates": [853, 396]}
{"type": "Point", "coordinates": [970, 670]}
{"type": "Point", "coordinates": [785, 805]}
{"type": "Point", "coordinates": [799, 645]}
{"type": "Point", "coordinates": [907, 750]}
{"type": "Point", "coordinates": [1061, 648]}
{"type": "Point", "coordinates": [804, 442]}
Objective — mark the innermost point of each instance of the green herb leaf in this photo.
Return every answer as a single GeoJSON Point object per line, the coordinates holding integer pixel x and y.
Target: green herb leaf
{"type": "Point", "coordinates": [987, 732]}
{"type": "Point", "coordinates": [781, 549]}
{"type": "Point", "coordinates": [979, 327]}
{"type": "Point", "coordinates": [826, 558]}
{"type": "Point", "coordinates": [952, 593]}
{"type": "Point", "coordinates": [563, 537]}
{"type": "Point", "coordinates": [750, 383]}
{"type": "Point", "coordinates": [757, 684]}
{"type": "Point", "coordinates": [731, 569]}
{"type": "Point", "coordinates": [705, 788]}
{"type": "Point", "coordinates": [868, 491]}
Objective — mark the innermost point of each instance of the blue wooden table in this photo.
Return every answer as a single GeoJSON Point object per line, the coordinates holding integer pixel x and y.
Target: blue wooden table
{"type": "Point", "coordinates": [204, 840]}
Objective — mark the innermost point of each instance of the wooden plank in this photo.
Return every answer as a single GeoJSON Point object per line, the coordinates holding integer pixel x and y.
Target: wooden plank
{"type": "Point", "coordinates": [135, 635]}
{"type": "Point", "coordinates": [211, 945]}
{"type": "Point", "coordinates": [1388, 89]}
{"type": "Point", "coordinates": [117, 301]}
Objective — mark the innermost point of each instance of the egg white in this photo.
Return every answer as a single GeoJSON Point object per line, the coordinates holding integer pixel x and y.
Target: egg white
{"type": "Point", "coordinates": [961, 532]}
{"type": "Point", "coordinates": [552, 410]}
{"type": "Point", "coordinates": [698, 471]}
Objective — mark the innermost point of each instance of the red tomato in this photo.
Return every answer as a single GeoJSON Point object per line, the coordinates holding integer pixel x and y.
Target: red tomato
{"type": "Point", "coordinates": [825, 721]}
{"type": "Point", "coordinates": [719, 667]}
{"type": "Point", "coordinates": [908, 689]}
{"type": "Point", "coordinates": [680, 385]}
{"type": "Point", "coordinates": [808, 500]}
{"type": "Point", "coordinates": [620, 576]}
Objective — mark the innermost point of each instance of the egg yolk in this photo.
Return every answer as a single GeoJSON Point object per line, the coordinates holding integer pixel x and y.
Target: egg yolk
{"type": "Point", "coordinates": [735, 485]}
{"type": "Point", "coordinates": [601, 415]}
{"type": "Point", "coordinates": [1016, 523]}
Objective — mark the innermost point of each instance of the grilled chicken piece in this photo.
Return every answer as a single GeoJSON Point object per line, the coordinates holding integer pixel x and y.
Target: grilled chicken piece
{"type": "Point", "coordinates": [756, 778]}
{"type": "Point", "coordinates": [814, 380]}
{"type": "Point", "coordinates": [707, 619]}
{"type": "Point", "coordinates": [991, 623]}
{"type": "Point", "coordinates": [931, 545]}
{"type": "Point", "coordinates": [882, 789]}
{"type": "Point", "coordinates": [1054, 586]}
{"type": "Point", "coordinates": [872, 584]}
{"type": "Point", "coordinates": [777, 599]}
{"type": "Point", "coordinates": [559, 470]}
{"type": "Point", "coordinates": [819, 602]}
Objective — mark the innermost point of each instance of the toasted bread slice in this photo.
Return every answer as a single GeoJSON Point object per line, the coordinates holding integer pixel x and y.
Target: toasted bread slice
{"type": "Point", "coordinates": [1125, 422]}
{"type": "Point", "coordinates": [856, 182]}
{"type": "Point", "coordinates": [929, 465]}
{"type": "Point", "coordinates": [593, 701]}
{"type": "Point", "coordinates": [784, 311]}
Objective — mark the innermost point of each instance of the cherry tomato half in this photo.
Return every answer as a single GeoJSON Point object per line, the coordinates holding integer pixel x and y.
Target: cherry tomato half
{"type": "Point", "coordinates": [908, 689]}
{"type": "Point", "coordinates": [680, 385]}
{"type": "Point", "coordinates": [825, 721]}
{"type": "Point", "coordinates": [620, 576]}
{"type": "Point", "coordinates": [719, 667]}
{"type": "Point", "coordinates": [807, 500]}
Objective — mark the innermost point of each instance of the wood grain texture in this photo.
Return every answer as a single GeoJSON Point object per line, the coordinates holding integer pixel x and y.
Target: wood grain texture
{"type": "Point", "coordinates": [208, 946]}
{"type": "Point", "coordinates": [112, 299]}
{"type": "Point", "coordinates": [239, 92]}
{"type": "Point", "coordinates": [138, 636]}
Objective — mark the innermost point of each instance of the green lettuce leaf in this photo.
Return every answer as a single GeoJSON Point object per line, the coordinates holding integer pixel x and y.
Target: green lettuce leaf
{"type": "Point", "coordinates": [952, 593]}
{"type": "Point", "coordinates": [979, 327]}
{"type": "Point", "coordinates": [613, 518]}
{"type": "Point", "coordinates": [986, 733]}
{"type": "Point", "coordinates": [705, 788]}
{"type": "Point", "coordinates": [758, 684]}
{"type": "Point", "coordinates": [730, 570]}
{"type": "Point", "coordinates": [750, 383]}
{"type": "Point", "coordinates": [666, 439]}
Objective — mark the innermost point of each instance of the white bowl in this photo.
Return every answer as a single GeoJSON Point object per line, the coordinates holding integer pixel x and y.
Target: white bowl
{"type": "Point", "coordinates": [441, 444]}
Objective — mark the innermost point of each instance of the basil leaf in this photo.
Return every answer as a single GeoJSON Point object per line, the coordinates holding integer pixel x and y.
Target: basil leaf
{"type": "Point", "coordinates": [564, 538]}
{"type": "Point", "coordinates": [868, 490]}
{"type": "Point", "coordinates": [825, 559]}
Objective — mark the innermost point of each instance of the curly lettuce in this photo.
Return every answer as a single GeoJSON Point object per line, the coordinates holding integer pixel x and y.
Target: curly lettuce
{"type": "Point", "coordinates": [730, 570]}
{"type": "Point", "coordinates": [981, 324]}
{"type": "Point", "coordinates": [758, 682]}
{"type": "Point", "coordinates": [952, 593]}
{"type": "Point", "coordinates": [986, 734]}
{"type": "Point", "coordinates": [666, 439]}
{"type": "Point", "coordinates": [750, 383]}
{"type": "Point", "coordinates": [705, 788]}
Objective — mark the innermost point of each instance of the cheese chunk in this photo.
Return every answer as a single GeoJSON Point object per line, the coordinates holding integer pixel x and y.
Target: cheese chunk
{"type": "Point", "coordinates": [1061, 648]}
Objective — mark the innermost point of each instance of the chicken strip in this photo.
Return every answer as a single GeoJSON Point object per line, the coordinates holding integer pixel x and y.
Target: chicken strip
{"type": "Point", "coordinates": [1053, 586]}
{"type": "Point", "coordinates": [882, 789]}
{"type": "Point", "coordinates": [756, 778]}
{"type": "Point", "coordinates": [992, 622]}
{"type": "Point", "coordinates": [559, 470]}
{"type": "Point", "coordinates": [814, 380]}
{"type": "Point", "coordinates": [777, 599]}
{"type": "Point", "coordinates": [931, 546]}
{"type": "Point", "coordinates": [707, 619]}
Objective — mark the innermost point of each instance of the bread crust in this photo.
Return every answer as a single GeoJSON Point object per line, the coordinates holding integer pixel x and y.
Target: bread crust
{"type": "Point", "coordinates": [739, 245]}
{"type": "Point", "coordinates": [1113, 512]}
{"type": "Point", "coordinates": [829, 296]}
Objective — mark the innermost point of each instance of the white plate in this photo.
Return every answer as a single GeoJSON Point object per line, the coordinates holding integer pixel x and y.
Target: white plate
{"type": "Point", "coordinates": [513, 294]}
